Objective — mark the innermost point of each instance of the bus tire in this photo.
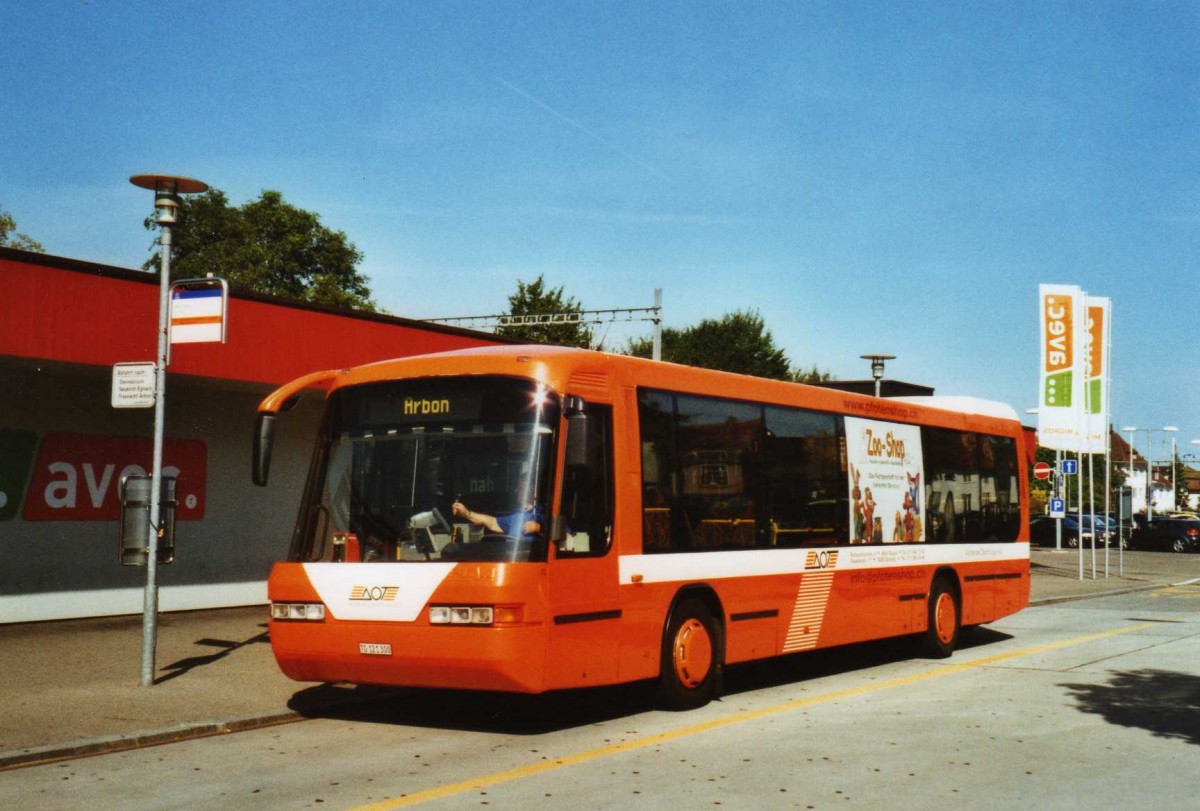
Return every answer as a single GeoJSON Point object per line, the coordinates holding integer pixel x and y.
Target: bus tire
{"type": "Point", "coordinates": [690, 671]}
{"type": "Point", "coordinates": [945, 620]}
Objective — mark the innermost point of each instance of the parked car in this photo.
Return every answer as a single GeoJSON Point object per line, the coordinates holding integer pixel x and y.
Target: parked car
{"type": "Point", "coordinates": [1168, 534]}
{"type": "Point", "coordinates": [1042, 533]}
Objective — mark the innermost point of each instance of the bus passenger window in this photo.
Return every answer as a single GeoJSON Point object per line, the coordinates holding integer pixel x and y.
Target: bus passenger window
{"type": "Point", "coordinates": [998, 486]}
{"type": "Point", "coordinates": [805, 481]}
{"type": "Point", "coordinates": [701, 472]}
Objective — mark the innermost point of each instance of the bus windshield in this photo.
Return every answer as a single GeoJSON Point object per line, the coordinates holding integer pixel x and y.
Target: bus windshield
{"type": "Point", "coordinates": [439, 469]}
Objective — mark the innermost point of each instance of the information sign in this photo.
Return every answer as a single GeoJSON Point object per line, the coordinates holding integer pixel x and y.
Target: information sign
{"type": "Point", "coordinates": [1058, 508]}
{"type": "Point", "coordinates": [133, 385]}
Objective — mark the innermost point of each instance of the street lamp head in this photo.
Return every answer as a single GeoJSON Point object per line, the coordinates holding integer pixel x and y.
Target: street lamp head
{"type": "Point", "coordinates": [1130, 428]}
{"type": "Point", "coordinates": [877, 362]}
{"type": "Point", "coordinates": [1169, 428]}
{"type": "Point", "coordinates": [167, 189]}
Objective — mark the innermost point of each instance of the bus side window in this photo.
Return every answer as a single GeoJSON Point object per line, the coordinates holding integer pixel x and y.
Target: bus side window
{"type": "Point", "coordinates": [804, 478]}
{"type": "Point", "coordinates": [720, 467]}
{"type": "Point", "coordinates": [587, 494]}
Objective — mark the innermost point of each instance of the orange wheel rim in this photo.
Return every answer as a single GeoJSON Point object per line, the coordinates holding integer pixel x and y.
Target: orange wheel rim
{"type": "Point", "coordinates": [692, 653]}
{"type": "Point", "coordinates": [943, 618]}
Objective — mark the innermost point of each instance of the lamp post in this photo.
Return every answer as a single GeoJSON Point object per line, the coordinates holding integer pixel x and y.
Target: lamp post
{"type": "Point", "coordinates": [167, 189]}
{"type": "Point", "coordinates": [877, 362]}
{"type": "Point", "coordinates": [1149, 460]}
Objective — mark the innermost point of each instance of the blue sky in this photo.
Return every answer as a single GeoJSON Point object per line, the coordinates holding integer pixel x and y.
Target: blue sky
{"type": "Point", "coordinates": [870, 177]}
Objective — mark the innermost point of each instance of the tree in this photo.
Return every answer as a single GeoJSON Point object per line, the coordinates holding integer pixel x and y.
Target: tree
{"type": "Point", "coordinates": [813, 375]}
{"type": "Point", "coordinates": [736, 342]}
{"type": "Point", "coordinates": [535, 299]}
{"type": "Point", "coordinates": [266, 246]}
{"type": "Point", "coordinates": [10, 239]}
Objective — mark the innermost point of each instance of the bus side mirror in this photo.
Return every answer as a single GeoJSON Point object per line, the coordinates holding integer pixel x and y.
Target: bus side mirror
{"type": "Point", "coordinates": [581, 435]}
{"type": "Point", "coordinates": [264, 441]}
{"type": "Point", "coordinates": [580, 459]}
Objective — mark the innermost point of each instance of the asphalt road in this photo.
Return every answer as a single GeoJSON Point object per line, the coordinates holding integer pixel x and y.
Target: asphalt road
{"type": "Point", "coordinates": [1088, 704]}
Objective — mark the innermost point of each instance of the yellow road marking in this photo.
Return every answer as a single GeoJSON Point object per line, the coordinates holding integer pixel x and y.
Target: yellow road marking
{"type": "Point", "coordinates": [1186, 591]}
{"type": "Point", "coordinates": [485, 781]}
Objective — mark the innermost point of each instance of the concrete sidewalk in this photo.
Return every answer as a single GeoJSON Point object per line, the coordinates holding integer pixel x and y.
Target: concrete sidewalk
{"type": "Point", "coordinates": [70, 688]}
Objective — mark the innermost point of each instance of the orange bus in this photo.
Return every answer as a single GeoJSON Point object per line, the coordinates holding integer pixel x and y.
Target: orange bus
{"type": "Point", "coordinates": [532, 518]}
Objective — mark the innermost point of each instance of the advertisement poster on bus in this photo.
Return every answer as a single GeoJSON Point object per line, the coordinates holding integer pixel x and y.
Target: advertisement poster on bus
{"type": "Point", "coordinates": [886, 492]}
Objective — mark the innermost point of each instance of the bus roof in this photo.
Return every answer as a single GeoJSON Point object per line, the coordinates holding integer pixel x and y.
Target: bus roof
{"type": "Point", "coordinates": [665, 375]}
{"type": "Point", "coordinates": [964, 405]}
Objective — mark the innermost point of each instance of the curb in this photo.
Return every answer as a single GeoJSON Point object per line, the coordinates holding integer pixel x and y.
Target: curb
{"type": "Point", "coordinates": [111, 744]}
{"type": "Point", "coordinates": [53, 753]}
{"type": "Point", "coordinates": [1066, 598]}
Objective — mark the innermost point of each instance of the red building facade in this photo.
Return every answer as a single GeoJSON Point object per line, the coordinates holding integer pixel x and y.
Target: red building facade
{"type": "Point", "coordinates": [64, 448]}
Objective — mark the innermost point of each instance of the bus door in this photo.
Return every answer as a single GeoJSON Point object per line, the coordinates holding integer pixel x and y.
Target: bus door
{"type": "Point", "coordinates": [585, 611]}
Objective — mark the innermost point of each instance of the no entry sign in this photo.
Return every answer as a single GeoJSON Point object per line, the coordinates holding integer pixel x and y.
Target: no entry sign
{"type": "Point", "coordinates": [1042, 470]}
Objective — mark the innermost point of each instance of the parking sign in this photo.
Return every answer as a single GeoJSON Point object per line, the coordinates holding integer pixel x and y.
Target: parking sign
{"type": "Point", "coordinates": [1058, 508]}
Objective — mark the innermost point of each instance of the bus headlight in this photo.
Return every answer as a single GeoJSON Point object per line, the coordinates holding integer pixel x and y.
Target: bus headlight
{"type": "Point", "coordinates": [461, 615]}
{"type": "Point", "coordinates": [311, 612]}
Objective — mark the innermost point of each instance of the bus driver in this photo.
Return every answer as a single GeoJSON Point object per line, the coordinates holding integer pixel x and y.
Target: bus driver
{"type": "Point", "coordinates": [528, 521]}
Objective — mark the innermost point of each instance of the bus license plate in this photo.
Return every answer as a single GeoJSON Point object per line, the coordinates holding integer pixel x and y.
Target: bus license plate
{"type": "Point", "coordinates": [375, 648]}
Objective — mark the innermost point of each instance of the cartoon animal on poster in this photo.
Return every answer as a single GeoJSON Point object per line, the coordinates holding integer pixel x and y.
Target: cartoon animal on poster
{"type": "Point", "coordinates": [860, 525]}
{"type": "Point", "coordinates": [912, 509]}
{"type": "Point", "coordinates": [871, 523]}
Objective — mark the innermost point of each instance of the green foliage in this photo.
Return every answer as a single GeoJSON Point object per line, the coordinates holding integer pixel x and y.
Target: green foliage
{"type": "Point", "coordinates": [1182, 496]}
{"type": "Point", "coordinates": [736, 342]}
{"type": "Point", "coordinates": [266, 246]}
{"type": "Point", "coordinates": [813, 375]}
{"type": "Point", "coordinates": [536, 299]}
{"type": "Point", "coordinates": [9, 238]}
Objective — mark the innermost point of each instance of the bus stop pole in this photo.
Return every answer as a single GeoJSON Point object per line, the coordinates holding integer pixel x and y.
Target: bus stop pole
{"type": "Point", "coordinates": [150, 601]}
{"type": "Point", "coordinates": [167, 189]}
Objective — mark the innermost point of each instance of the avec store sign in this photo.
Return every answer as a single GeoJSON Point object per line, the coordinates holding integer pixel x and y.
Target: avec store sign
{"type": "Point", "coordinates": [77, 477]}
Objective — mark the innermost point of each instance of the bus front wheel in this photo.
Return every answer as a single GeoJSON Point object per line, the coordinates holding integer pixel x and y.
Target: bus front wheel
{"type": "Point", "coordinates": [945, 620]}
{"type": "Point", "coordinates": [690, 671]}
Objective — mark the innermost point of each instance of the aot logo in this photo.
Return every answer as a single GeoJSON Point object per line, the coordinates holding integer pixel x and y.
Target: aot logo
{"type": "Point", "coordinates": [820, 560]}
{"type": "Point", "coordinates": [77, 477]}
{"type": "Point", "coordinates": [375, 594]}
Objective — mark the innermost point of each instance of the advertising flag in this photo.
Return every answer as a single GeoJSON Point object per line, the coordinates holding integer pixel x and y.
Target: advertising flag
{"type": "Point", "coordinates": [1061, 391]}
{"type": "Point", "coordinates": [1099, 318]}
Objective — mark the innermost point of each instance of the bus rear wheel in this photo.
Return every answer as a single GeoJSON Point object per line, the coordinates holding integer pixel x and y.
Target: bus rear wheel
{"type": "Point", "coordinates": [945, 620]}
{"type": "Point", "coordinates": [690, 670]}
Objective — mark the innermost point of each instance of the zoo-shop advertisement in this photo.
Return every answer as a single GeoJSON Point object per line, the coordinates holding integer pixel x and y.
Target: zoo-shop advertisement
{"type": "Point", "coordinates": [885, 465]}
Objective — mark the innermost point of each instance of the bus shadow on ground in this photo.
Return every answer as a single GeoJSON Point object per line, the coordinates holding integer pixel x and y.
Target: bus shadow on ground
{"type": "Point", "coordinates": [514, 714]}
{"type": "Point", "coordinates": [801, 667]}
{"type": "Point", "coordinates": [1163, 702]}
